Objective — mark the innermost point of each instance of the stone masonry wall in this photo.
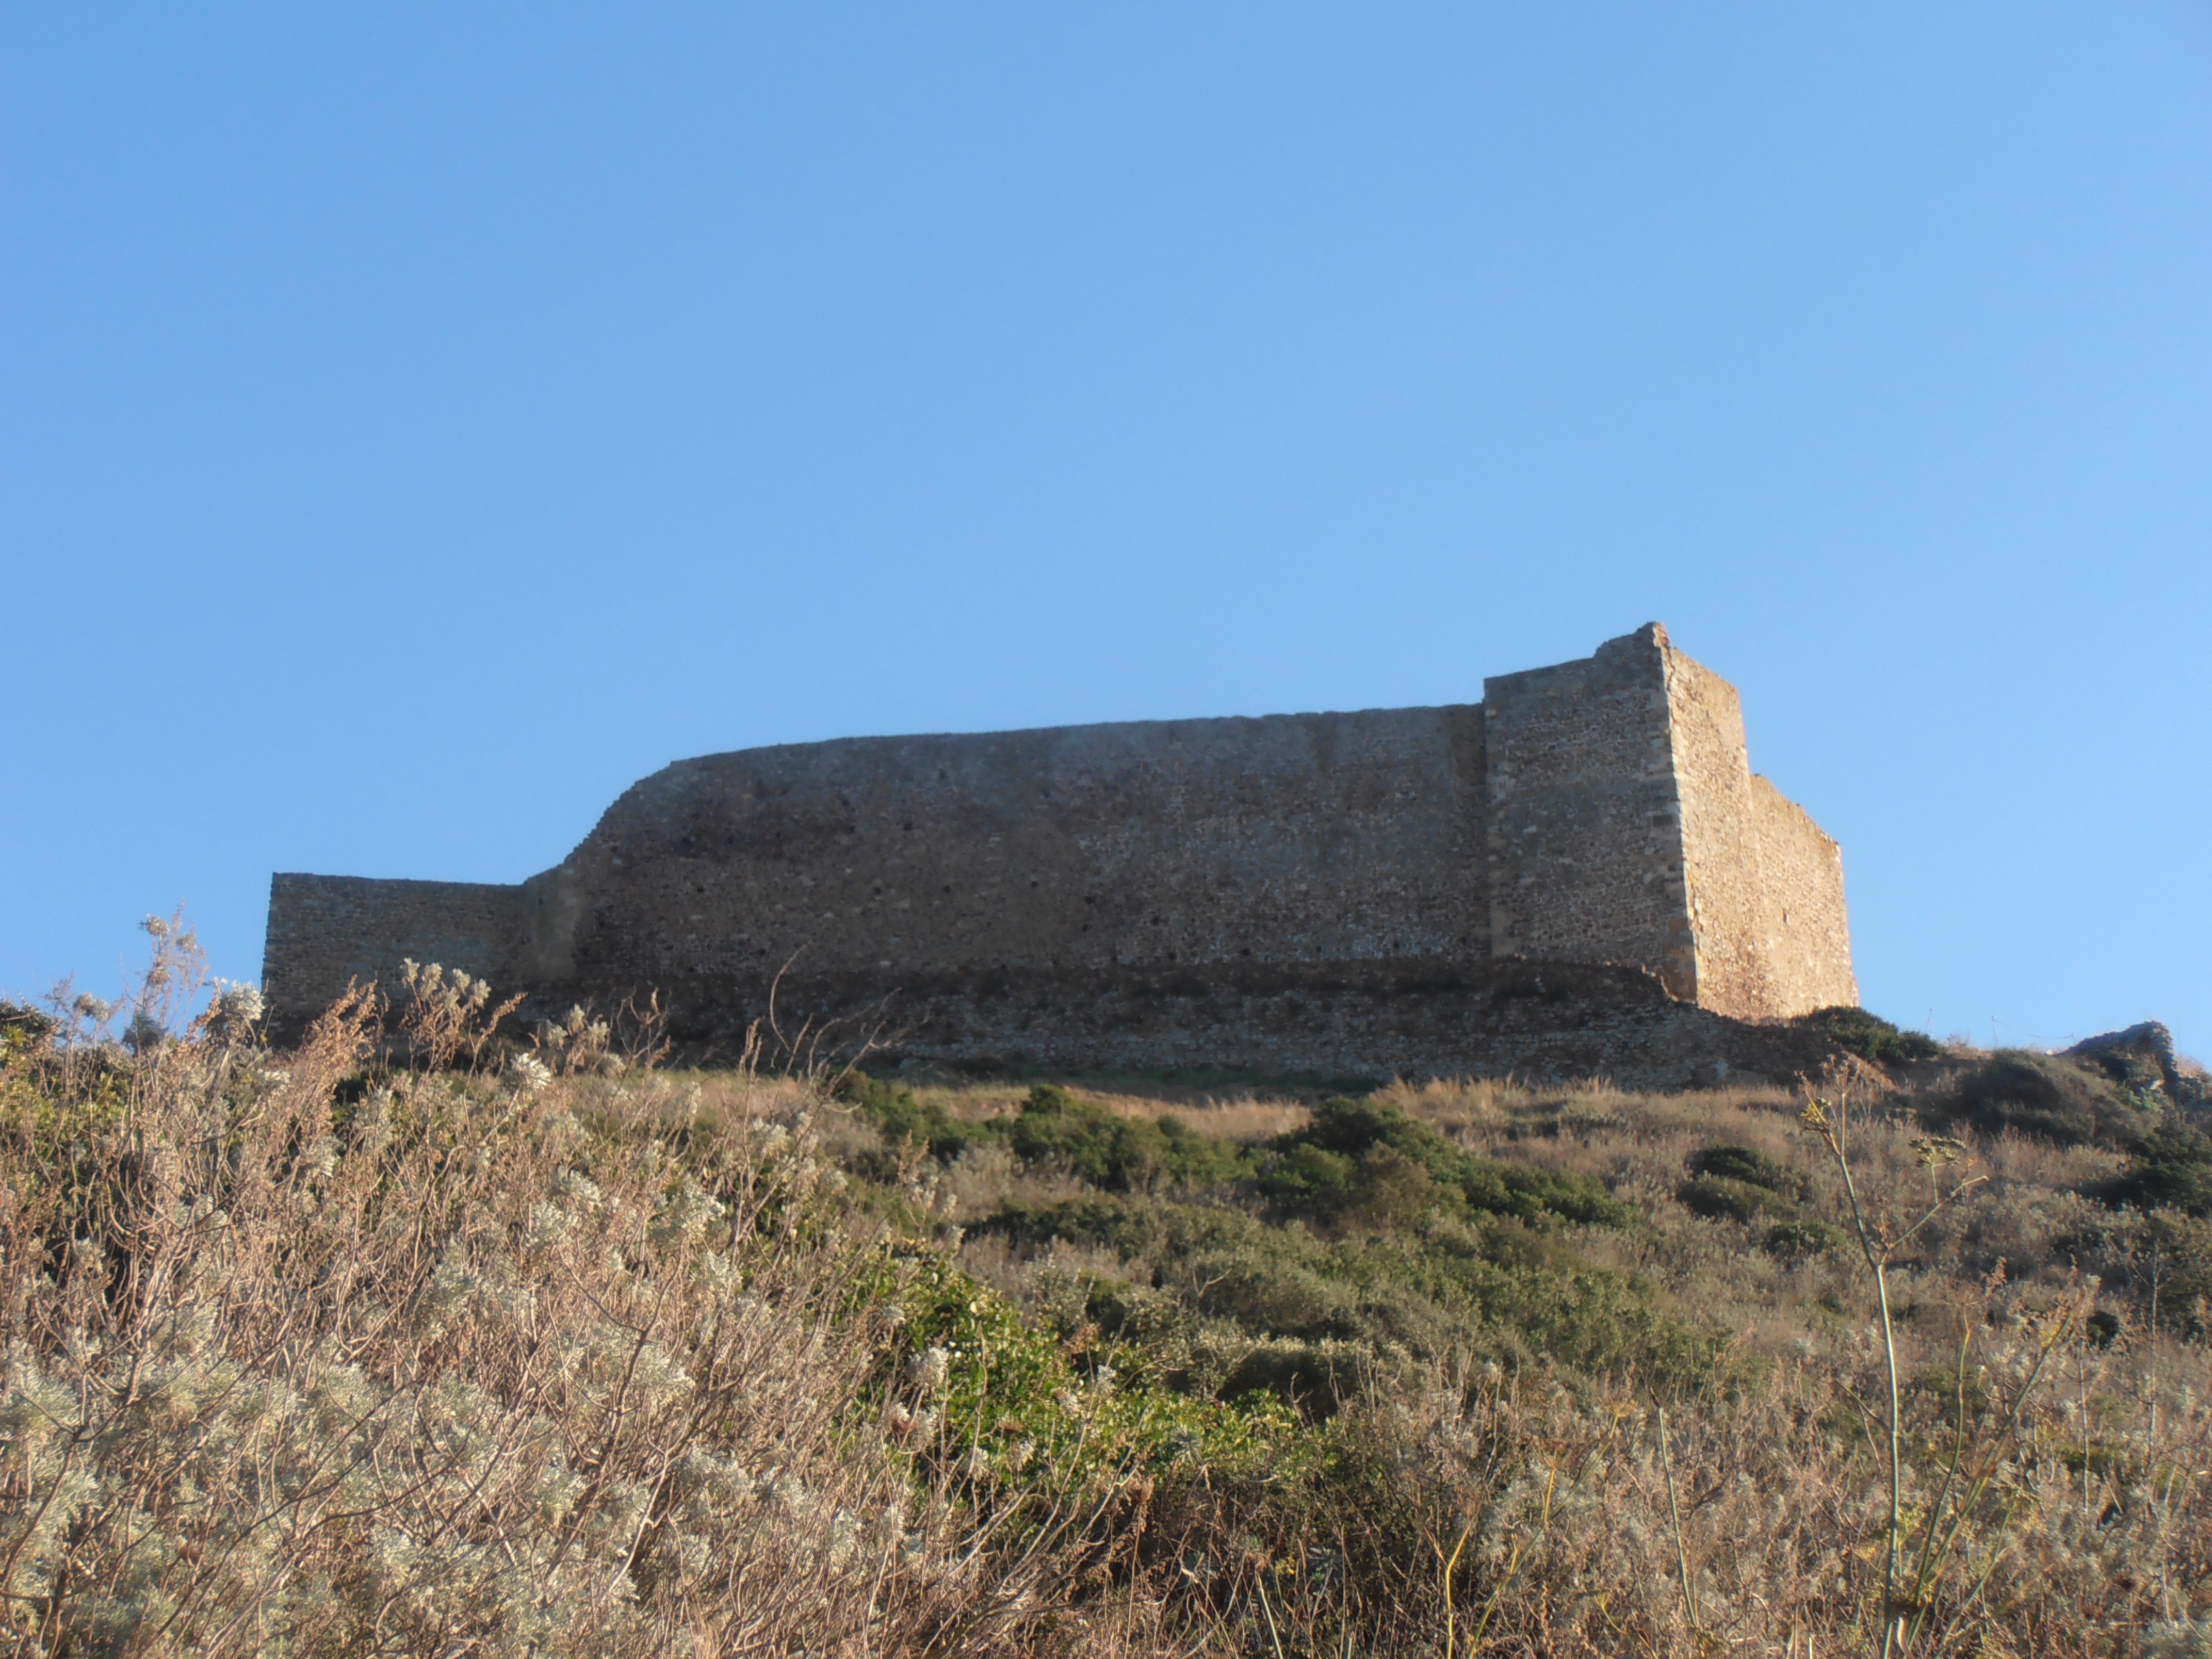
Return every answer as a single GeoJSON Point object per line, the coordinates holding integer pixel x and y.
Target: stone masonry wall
{"type": "Point", "coordinates": [1291, 838]}
{"type": "Point", "coordinates": [326, 933]}
{"type": "Point", "coordinates": [1539, 1022]}
{"type": "Point", "coordinates": [1597, 813]}
{"type": "Point", "coordinates": [1584, 827]}
{"type": "Point", "coordinates": [1720, 858]}
{"type": "Point", "coordinates": [1765, 886]}
{"type": "Point", "coordinates": [1808, 933]}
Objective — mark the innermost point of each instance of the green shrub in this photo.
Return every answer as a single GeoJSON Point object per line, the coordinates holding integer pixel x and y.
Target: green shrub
{"type": "Point", "coordinates": [1550, 1304]}
{"type": "Point", "coordinates": [2181, 1248]}
{"type": "Point", "coordinates": [1869, 1036]}
{"type": "Point", "coordinates": [1734, 1182]}
{"type": "Point", "coordinates": [1794, 1240]}
{"type": "Point", "coordinates": [1194, 1159]}
{"type": "Point", "coordinates": [1047, 1419]}
{"type": "Point", "coordinates": [1317, 1171]}
{"type": "Point", "coordinates": [1731, 1162]}
{"type": "Point", "coordinates": [1088, 1142]}
{"type": "Point", "coordinates": [2171, 1171]}
{"type": "Point", "coordinates": [1392, 1191]}
{"type": "Point", "coordinates": [1055, 1127]}
{"type": "Point", "coordinates": [905, 1120]}
{"type": "Point", "coordinates": [1120, 1154]}
{"type": "Point", "coordinates": [1486, 1285]}
{"type": "Point", "coordinates": [2047, 1095]}
{"type": "Point", "coordinates": [1317, 1376]}
{"type": "Point", "coordinates": [1717, 1198]}
{"type": "Point", "coordinates": [1303, 1179]}
{"type": "Point", "coordinates": [20, 1023]}
{"type": "Point", "coordinates": [1528, 1195]}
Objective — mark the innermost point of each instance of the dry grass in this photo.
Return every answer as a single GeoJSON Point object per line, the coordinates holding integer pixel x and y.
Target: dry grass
{"type": "Point", "coordinates": [539, 1363]}
{"type": "Point", "coordinates": [541, 1353]}
{"type": "Point", "coordinates": [2054, 1498]}
{"type": "Point", "coordinates": [2023, 1216]}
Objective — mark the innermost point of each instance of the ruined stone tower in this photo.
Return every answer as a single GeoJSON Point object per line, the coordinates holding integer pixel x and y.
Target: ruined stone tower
{"type": "Point", "coordinates": [1024, 889]}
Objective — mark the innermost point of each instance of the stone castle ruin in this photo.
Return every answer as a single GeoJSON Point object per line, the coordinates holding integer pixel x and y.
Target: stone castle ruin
{"type": "Point", "coordinates": [1580, 874]}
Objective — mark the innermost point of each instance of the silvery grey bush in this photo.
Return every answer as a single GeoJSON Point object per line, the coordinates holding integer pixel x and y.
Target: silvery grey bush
{"type": "Point", "coordinates": [441, 1371]}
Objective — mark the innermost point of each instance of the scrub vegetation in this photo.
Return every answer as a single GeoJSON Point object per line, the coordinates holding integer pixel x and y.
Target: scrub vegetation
{"type": "Point", "coordinates": [446, 1334]}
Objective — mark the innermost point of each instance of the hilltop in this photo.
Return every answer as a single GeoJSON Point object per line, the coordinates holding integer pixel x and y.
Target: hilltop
{"type": "Point", "coordinates": [431, 1335]}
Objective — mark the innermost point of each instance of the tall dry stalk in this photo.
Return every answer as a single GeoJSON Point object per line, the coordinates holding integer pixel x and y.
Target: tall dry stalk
{"type": "Point", "coordinates": [1828, 1114]}
{"type": "Point", "coordinates": [1674, 1519]}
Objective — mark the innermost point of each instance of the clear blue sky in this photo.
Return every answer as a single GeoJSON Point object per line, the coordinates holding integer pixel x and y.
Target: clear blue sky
{"type": "Point", "coordinates": [418, 422]}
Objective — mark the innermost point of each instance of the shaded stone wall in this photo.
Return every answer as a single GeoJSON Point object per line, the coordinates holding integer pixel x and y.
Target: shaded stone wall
{"type": "Point", "coordinates": [1600, 811]}
{"type": "Point", "coordinates": [1584, 826]}
{"type": "Point", "coordinates": [1293, 838]}
{"type": "Point", "coordinates": [326, 933]}
{"type": "Point", "coordinates": [1540, 1022]}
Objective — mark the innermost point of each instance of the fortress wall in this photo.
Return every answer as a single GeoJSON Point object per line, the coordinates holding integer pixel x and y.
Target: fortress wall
{"type": "Point", "coordinates": [1720, 849]}
{"type": "Point", "coordinates": [1807, 931]}
{"type": "Point", "coordinates": [1308, 837]}
{"type": "Point", "coordinates": [1391, 890]}
{"type": "Point", "coordinates": [327, 932]}
{"type": "Point", "coordinates": [1584, 826]}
